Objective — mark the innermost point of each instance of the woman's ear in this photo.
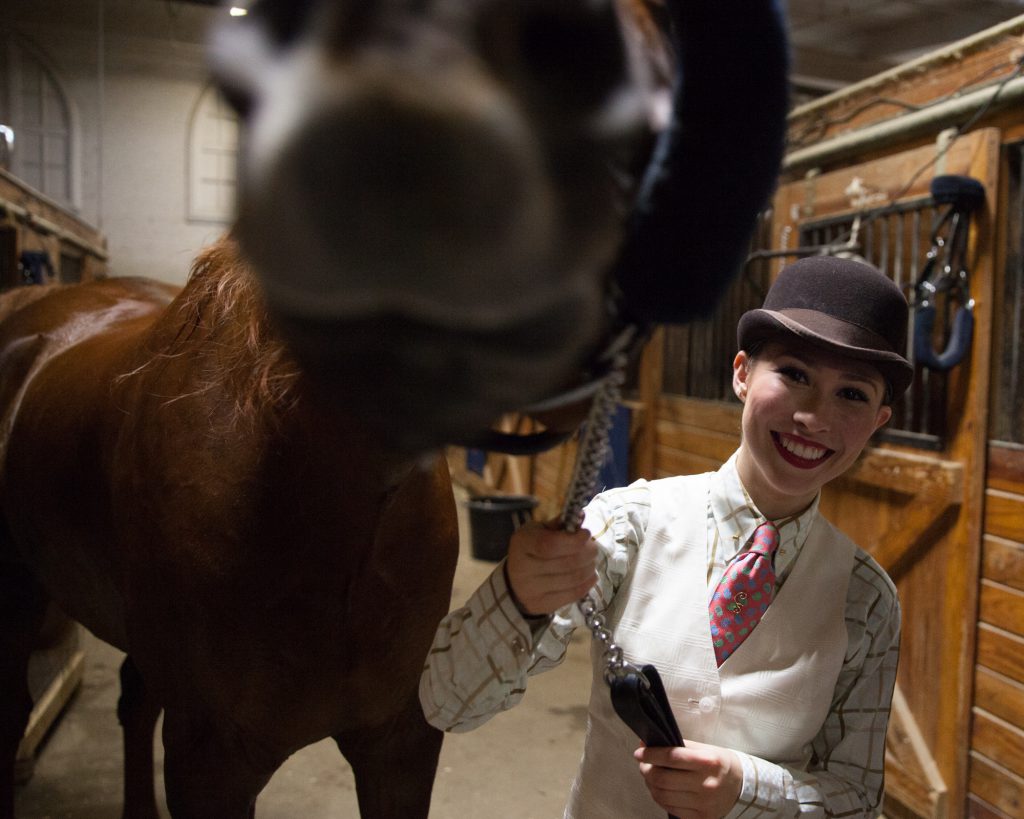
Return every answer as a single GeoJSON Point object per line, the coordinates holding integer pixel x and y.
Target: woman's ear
{"type": "Point", "coordinates": [740, 372]}
{"type": "Point", "coordinates": [884, 414]}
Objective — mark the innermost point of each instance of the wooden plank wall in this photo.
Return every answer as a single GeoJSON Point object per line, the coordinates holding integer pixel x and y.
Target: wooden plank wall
{"type": "Point", "coordinates": [996, 779]}
{"type": "Point", "coordinates": [694, 436]}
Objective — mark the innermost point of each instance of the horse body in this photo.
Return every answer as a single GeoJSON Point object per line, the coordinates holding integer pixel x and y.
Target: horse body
{"type": "Point", "coordinates": [273, 573]}
{"type": "Point", "coordinates": [47, 469]}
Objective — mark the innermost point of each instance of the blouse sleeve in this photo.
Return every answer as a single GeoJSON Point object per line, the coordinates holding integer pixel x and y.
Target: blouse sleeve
{"type": "Point", "coordinates": [484, 652]}
{"type": "Point", "coordinates": [845, 776]}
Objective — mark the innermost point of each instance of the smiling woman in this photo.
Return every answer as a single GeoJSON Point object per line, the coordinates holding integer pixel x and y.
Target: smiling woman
{"type": "Point", "coordinates": [783, 712]}
{"type": "Point", "coordinates": [813, 409]}
{"type": "Point", "coordinates": [817, 371]}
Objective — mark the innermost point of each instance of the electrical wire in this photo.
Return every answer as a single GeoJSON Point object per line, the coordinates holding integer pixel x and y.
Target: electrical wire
{"type": "Point", "coordinates": [816, 129]}
{"type": "Point", "coordinates": [959, 131]}
{"type": "Point", "coordinates": [962, 129]}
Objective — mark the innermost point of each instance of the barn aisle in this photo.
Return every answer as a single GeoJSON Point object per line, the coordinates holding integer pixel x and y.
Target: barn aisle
{"type": "Point", "coordinates": [517, 766]}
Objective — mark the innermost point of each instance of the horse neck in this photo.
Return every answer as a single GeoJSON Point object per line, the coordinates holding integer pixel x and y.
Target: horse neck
{"type": "Point", "coordinates": [234, 354]}
{"type": "Point", "coordinates": [216, 339]}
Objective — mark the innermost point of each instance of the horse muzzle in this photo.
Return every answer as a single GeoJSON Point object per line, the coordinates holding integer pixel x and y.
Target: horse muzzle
{"type": "Point", "coordinates": [414, 229]}
{"type": "Point", "coordinates": [431, 193]}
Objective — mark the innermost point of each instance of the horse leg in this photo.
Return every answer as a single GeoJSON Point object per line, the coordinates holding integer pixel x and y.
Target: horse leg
{"type": "Point", "coordinates": [138, 713]}
{"type": "Point", "coordinates": [394, 765]}
{"type": "Point", "coordinates": [22, 609]}
{"type": "Point", "coordinates": [210, 774]}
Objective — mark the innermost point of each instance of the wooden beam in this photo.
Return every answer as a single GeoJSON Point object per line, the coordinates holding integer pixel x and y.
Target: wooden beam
{"type": "Point", "coordinates": [46, 711]}
{"type": "Point", "coordinates": [910, 474]}
{"type": "Point", "coordinates": [933, 486]}
{"type": "Point", "coordinates": [915, 780]}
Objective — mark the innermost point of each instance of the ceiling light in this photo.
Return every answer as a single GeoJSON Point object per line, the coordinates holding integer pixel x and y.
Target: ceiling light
{"type": "Point", "coordinates": [238, 11]}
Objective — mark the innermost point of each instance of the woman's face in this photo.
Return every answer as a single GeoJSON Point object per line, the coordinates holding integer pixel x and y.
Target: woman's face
{"type": "Point", "coordinates": [807, 414]}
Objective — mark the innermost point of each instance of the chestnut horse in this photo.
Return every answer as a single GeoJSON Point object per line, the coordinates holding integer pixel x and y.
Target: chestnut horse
{"type": "Point", "coordinates": [274, 572]}
{"type": "Point", "coordinates": [446, 209]}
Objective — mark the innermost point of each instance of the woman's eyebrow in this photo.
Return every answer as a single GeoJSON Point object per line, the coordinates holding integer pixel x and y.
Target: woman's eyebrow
{"type": "Point", "coordinates": [811, 363]}
{"type": "Point", "coordinates": [867, 379]}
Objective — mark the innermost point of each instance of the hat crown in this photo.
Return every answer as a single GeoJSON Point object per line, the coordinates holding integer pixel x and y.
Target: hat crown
{"type": "Point", "coordinates": [844, 289]}
{"type": "Point", "coordinates": [842, 305]}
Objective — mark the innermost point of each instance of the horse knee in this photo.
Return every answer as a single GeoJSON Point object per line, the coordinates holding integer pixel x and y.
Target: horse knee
{"type": "Point", "coordinates": [407, 744]}
{"type": "Point", "coordinates": [209, 774]}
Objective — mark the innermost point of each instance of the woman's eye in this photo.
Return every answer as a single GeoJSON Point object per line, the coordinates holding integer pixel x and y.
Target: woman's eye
{"type": "Point", "coordinates": [853, 394]}
{"type": "Point", "coordinates": [794, 374]}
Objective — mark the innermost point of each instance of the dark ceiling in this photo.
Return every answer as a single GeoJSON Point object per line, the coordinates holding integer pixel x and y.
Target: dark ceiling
{"type": "Point", "coordinates": [836, 42]}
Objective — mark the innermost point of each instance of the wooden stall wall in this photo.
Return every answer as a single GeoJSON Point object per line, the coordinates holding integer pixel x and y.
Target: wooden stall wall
{"type": "Point", "coordinates": [997, 734]}
{"type": "Point", "coordinates": [996, 767]}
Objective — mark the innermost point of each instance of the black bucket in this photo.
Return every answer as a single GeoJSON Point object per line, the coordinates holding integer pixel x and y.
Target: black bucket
{"type": "Point", "coordinates": [493, 519]}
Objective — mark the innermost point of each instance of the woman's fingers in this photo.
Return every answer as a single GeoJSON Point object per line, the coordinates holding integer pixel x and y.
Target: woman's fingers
{"type": "Point", "coordinates": [552, 600]}
{"type": "Point", "coordinates": [700, 780]}
{"type": "Point", "coordinates": [547, 544]}
{"type": "Point", "coordinates": [548, 569]}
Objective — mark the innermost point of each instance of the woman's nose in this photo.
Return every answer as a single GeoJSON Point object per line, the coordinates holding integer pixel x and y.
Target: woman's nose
{"type": "Point", "coordinates": [813, 412]}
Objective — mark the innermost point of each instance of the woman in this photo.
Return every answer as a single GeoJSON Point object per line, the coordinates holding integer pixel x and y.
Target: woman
{"type": "Point", "coordinates": [781, 685]}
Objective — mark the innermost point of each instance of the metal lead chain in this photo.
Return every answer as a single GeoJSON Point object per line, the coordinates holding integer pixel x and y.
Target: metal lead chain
{"type": "Point", "coordinates": [593, 450]}
{"type": "Point", "coordinates": [615, 663]}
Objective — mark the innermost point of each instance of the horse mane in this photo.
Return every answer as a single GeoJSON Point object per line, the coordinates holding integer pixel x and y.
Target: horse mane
{"type": "Point", "coordinates": [220, 322]}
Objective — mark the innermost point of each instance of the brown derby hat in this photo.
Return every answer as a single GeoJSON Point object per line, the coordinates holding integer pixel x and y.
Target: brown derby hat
{"type": "Point", "coordinates": [842, 305]}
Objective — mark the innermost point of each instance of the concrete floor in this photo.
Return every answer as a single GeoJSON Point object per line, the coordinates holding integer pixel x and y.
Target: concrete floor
{"type": "Point", "coordinates": [517, 766]}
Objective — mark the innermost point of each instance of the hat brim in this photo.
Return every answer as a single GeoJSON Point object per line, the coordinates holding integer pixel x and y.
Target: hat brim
{"type": "Point", "coordinates": [829, 333]}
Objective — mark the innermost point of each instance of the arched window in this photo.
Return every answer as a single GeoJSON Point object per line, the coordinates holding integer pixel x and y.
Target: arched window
{"type": "Point", "coordinates": [33, 104]}
{"type": "Point", "coordinates": [212, 159]}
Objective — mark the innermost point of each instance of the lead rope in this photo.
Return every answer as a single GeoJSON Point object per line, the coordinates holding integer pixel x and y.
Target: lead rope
{"type": "Point", "coordinates": [593, 449]}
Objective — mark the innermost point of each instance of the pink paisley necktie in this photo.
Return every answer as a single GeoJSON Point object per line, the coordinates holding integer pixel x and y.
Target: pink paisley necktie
{"type": "Point", "coordinates": [744, 592]}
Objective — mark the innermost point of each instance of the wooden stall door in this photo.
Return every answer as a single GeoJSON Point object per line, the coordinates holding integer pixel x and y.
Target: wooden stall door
{"type": "Point", "coordinates": [914, 501]}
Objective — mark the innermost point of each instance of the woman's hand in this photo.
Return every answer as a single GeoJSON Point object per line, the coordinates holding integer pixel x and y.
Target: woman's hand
{"type": "Point", "coordinates": [696, 782]}
{"type": "Point", "coordinates": [549, 568]}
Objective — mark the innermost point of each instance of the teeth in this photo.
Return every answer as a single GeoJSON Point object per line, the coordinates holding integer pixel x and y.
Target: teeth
{"type": "Point", "coordinates": [808, 453]}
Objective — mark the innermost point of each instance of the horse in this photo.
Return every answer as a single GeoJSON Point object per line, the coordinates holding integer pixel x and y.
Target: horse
{"type": "Point", "coordinates": [273, 572]}
{"type": "Point", "coordinates": [241, 484]}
